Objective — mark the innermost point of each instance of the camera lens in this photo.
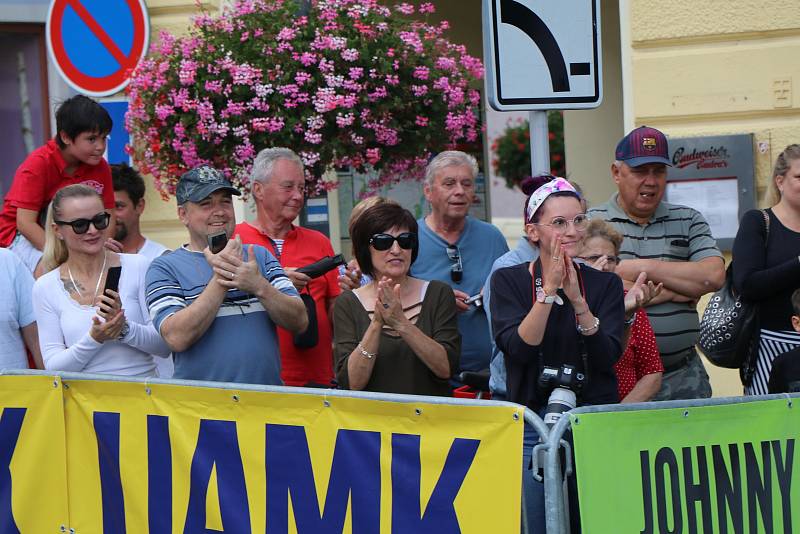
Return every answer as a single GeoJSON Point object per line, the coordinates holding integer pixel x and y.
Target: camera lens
{"type": "Point", "coordinates": [561, 400]}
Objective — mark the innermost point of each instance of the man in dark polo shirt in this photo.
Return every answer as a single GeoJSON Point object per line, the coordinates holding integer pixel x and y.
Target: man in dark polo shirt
{"type": "Point", "coordinates": [673, 245]}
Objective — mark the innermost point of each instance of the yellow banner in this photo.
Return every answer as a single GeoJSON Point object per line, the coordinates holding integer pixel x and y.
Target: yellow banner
{"type": "Point", "coordinates": [33, 477]}
{"type": "Point", "coordinates": [169, 458]}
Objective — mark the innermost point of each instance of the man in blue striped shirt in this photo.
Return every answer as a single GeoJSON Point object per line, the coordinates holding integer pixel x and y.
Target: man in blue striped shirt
{"type": "Point", "coordinates": [218, 312]}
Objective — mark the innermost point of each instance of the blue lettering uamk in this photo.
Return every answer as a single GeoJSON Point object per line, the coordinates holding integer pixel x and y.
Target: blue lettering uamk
{"type": "Point", "coordinates": [355, 476]}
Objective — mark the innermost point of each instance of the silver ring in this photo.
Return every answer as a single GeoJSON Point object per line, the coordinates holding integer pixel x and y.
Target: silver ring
{"type": "Point", "coordinates": [385, 306]}
{"type": "Point", "coordinates": [231, 274]}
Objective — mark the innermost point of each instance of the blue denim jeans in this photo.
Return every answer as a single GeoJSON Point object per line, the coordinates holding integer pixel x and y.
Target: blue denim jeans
{"type": "Point", "coordinates": [532, 490]}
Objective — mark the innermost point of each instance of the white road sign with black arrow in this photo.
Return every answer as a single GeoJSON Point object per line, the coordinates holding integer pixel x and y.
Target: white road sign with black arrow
{"type": "Point", "coordinates": [542, 54]}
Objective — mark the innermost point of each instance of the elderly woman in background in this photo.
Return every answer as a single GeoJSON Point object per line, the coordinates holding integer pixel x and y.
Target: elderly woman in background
{"type": "Point", "coordinates": [81, 329]}
{"type": "Point", "coordinates": [396, 334]}
{"type": "Point", "coordinates": [640, 368]}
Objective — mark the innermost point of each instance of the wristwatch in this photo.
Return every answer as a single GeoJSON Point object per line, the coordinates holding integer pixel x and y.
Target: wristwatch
{"type": "Point", "coordinates": [544, 298]}
{"type": "Point", "coordinates": [126, 328]}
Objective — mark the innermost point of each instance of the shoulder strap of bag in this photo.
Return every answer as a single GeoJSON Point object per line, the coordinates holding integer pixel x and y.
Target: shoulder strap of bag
{"type": "Point", "coordinates": [729, 270]}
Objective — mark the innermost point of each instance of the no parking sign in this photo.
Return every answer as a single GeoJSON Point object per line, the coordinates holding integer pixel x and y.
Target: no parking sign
{"type": "Point", "coordinates": [96, 43]}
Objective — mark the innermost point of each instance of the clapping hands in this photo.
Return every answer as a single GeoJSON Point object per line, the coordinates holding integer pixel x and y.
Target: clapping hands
{"type": "Point", "coordinates": [388, 304]}
{"type": "Point", "coordinates": [642, 292]}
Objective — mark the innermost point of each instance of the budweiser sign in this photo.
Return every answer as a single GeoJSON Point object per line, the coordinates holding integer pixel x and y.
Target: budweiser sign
{"type": "Point", "coordinates": [713, 158]}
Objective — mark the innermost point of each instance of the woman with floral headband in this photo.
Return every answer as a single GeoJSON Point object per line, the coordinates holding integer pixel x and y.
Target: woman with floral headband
{"type": "Point", "coordinates": [553, 315]}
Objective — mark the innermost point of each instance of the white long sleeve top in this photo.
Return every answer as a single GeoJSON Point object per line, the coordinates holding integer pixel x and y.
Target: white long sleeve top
{"type": "Point", "coordinates": [64, 327]}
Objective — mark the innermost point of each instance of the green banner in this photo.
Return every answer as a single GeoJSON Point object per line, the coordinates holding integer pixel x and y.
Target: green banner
{"type": "Point", "coordinates": [711, 469]}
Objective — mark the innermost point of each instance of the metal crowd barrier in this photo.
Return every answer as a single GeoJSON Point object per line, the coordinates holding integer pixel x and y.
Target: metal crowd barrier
{"type": "Point", "coordinates": [556, 500]}
{"type": "Point", "coordinates": [553, 495]}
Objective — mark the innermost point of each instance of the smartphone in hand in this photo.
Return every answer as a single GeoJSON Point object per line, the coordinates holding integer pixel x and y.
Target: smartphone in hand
{"type": "Point", "coordinates": [112, 279]}
{"type": "Point", "coordinates": [217, 241]}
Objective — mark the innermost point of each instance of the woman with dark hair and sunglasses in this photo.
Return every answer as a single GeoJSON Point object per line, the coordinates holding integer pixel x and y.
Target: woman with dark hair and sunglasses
{"type": "Point", "coordinates": [396, 334]}
{"type": "Point", "coordinates": [558, 323]}
{"type": "Point", "coordinates": [80, 327]}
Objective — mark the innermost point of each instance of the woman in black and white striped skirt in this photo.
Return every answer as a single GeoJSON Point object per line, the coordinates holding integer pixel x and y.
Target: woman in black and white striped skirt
{"type": "Point", "coordinates": [767, 265]}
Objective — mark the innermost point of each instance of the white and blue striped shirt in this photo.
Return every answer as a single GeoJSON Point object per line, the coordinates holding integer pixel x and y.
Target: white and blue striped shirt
{"type": "Point", "coordinates": [241, 344]}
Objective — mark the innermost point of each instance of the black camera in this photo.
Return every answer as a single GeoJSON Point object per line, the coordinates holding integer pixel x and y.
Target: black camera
{"type": "Point", "coordinates": [566, 376]}
{"type": "Point", "coordinates": [562, 384]}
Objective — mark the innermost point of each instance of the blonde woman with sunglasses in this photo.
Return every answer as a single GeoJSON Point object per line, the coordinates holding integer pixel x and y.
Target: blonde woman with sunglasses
{"type": "Point", "coordinates": [83, 327]}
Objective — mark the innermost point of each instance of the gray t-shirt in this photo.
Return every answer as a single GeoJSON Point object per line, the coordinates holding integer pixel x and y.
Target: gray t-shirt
{"type": "Point", "coordinates": [673, 233]}
{"type": "Point", "coordinates": [241, 344]}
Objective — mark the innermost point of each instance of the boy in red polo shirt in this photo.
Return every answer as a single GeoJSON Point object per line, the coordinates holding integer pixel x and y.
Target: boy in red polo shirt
{"type": "Point", "coordinates": [74, 156]}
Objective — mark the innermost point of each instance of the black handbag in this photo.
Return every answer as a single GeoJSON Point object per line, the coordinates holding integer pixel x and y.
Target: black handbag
{"type": "Point", "coordinates": [729, 327]}
{"type": "Point", "coordinates": [729, 330]}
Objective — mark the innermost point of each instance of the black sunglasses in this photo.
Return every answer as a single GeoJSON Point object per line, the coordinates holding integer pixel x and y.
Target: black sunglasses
{"type": "Point", "coordinates": [81, 226]}
{"type": "Point", "coordinates": [406, 240]}
{"type": "Point", "coordinates": [457, 270]}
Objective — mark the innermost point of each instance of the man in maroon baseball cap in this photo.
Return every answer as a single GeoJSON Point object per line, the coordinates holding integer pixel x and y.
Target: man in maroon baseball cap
{"type": "Point", "coordinates": [674, 246]}
{"type": "Point", "coordinates": [640, 171]}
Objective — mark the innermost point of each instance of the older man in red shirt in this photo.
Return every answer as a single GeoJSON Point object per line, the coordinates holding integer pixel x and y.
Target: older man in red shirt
{"type": "Point", "coordinates": [278, 186]}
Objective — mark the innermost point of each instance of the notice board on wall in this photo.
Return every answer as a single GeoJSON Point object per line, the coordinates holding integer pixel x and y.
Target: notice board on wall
{"type": "Point", "coordinates": [716, 176]}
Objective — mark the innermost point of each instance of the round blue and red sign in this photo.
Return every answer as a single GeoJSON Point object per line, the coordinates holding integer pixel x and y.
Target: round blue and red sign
{"type": "Point", "coordinates": [95, 44]}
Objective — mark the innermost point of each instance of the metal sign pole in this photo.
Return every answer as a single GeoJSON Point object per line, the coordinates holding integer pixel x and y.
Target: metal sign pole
{"type": "Point", "coordinates": [540, 143]}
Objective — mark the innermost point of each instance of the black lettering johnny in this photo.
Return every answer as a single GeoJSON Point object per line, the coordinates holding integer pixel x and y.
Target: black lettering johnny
{"type": "Point", "coordinates": [677, 488]}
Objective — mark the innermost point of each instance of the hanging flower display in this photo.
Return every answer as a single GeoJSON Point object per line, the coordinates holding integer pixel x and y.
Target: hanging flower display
{"type": "Point", "coordinates": [344, 83]}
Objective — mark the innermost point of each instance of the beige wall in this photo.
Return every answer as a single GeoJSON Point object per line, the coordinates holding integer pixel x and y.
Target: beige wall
{"type": "Point", "coordinates": [718, 67]}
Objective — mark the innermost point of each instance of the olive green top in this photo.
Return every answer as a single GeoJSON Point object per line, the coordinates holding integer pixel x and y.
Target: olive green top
{"type": "Point", "coordinates": [397, 368]}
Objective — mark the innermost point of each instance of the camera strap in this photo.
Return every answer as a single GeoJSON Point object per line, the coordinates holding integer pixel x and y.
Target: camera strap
{"type": "Point", "coordinates": [538, 286]}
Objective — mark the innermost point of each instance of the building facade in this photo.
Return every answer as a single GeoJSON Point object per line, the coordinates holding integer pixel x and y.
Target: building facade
{"type": "Point", "coordinates": [689, 69]}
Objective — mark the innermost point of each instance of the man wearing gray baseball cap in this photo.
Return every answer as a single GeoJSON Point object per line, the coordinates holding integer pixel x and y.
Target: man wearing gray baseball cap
{"type": "Point", "coordinates": [214, 302]}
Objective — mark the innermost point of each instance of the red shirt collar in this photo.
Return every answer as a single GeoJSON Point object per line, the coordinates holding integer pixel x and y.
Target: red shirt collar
{"type": "Point", "coordinates": [54, 152]}
{"type": "Point", "coordinates": [60, 163]}
{"type": "Point", "coordinates": [290, 235]}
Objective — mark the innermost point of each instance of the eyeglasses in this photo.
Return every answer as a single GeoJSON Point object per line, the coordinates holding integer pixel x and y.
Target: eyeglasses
{"type": "Point", "coordinates": [457, 270]}
{"type": "Point", "coordinates": [594, 257]}
{"type": "Point", "coordinates": [559, 224]}
{"type": "Point", "coordinates": [406, 240]}
{"type": "Point", "coordinates": [81, 226]}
